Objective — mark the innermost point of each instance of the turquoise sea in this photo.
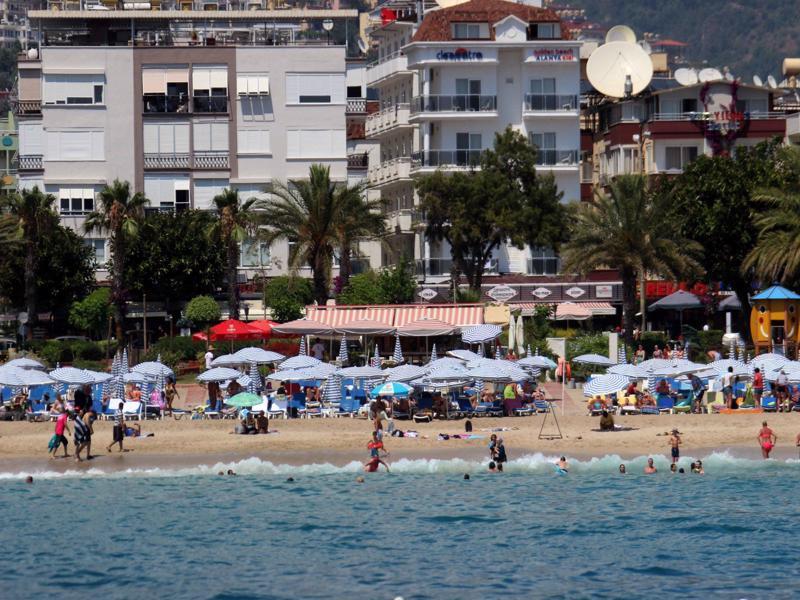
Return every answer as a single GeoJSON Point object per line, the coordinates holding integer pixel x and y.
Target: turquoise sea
{"type": "Point", "coordinates": [421, 531]}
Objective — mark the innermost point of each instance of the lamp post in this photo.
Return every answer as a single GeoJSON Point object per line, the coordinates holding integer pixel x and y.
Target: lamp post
{"type": "Point", "coordinates": [327, 25]}
{"type": "Point", "coordinates": [639, 139]}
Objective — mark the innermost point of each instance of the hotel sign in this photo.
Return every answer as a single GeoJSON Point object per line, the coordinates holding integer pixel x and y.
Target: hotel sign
{"type": "Point", "coordinates": [427, 294]}
{"type": "Point", "coordinates": [553, 55]}
{"type": "Point", "coordinates": [604, 291]}
{"type": "Point", "coordinates": [501, 293]}
{"type": "Point", "coordinates": [459, 54]}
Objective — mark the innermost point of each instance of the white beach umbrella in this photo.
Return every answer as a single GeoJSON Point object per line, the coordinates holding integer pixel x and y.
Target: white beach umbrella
{"type": "Point", "coordinates": [300, 362]}
{"type": "Point", "coordinates": [24, 363]}
{"type": "Point", "coordinates": [479, 334]}
{"type": "Point", "coordinates": [628, 370]}
{"type": "Point", "coordinates": [512, 332]}
{"type": "Point", "coordinates": [397, 355]}
{"type": "Point", "coordinates": [462, 354]}
{"type": "Point", "coordinates": [72, 376]}
{"type": "Point", "coordinates": [219, 374]}
{"type": "Point", "coordinates": [405, 373]}
{"type": "Point", "coordinates": [303, 350]}
{"type": "Point", "coordinates": [153, 369]}
{"type": "Point", "coordinates": [594, 359]}
{"type": "Point", "coordinates": [343, 358]}
{"type": "Point", "coordinates": [433, 354]}
{"type": "Point", "coordinates": [520, 336]}
{"type": "Point", "coordinates": [258, 356]}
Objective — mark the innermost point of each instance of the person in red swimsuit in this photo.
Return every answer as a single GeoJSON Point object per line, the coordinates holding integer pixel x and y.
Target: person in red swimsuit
{"type": "Point", "coordinates": [767, 439]}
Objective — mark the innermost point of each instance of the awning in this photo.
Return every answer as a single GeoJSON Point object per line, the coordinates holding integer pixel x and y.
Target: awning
{"type": "Point", "coordinates": [427, 328]}
{"type": "Point", "coordinates": [303, 327]}
{"type": "Point", "coordinates": [568, 311]}
{"type": "Point", "coordinates": [337, 317]}
{"type": "Point", "coordinates": [365, 327]}
{"type": "Point", "coordinates": [462, 315]}
{"type": "Point", "coordinates": [596, 308]}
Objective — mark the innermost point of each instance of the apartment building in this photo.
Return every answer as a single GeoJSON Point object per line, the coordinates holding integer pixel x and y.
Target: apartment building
{"type": "Point", "coordinates": [14, 25]}
{"type": "Point", "coordinates": [446, 83]}
{"type": "Point", "coordinates": [183, 108]}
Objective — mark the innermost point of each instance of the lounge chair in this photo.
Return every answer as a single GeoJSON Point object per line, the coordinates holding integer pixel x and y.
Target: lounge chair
{"type": "Point", "coordinates": [489, 409]}
{"type": "Point", "coordinates": [132, 410]}
{"type": "Point", "coordinates": [110, 411]}
{"type": "Point", "coordinates": [424, 411]}
{"type": "Point", "coordinates": [542, 406]}
{"type": "Point", "coordinates": [348, 407]}
{"type": "Point", "coordinates": [38, 411]}
{"type": "Point", "coordinates": [297, 404]}
{"type": "Point", "coordinates": [684, 404]}
{"type": "Point", "coordinates": [650, 410]}
{"type": "Point", "coordinates": [398, 414]}
{"type": "Point", "coordinates": [278, 407]}
{"type": "Point", "coordinates": [465, 407]}
{"type": "Point", "coordinates": [769, 403]}
{"type": "Point", "coordinates": [665, 403]}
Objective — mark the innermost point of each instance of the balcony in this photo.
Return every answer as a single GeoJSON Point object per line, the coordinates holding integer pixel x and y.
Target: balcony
{"type": "Point", "coordinates": [213, 159]}
{"type": "Point", "coordinates": [30, 162]}
{"type": "Point", "coordinates": [356, 106]}
{"type": "Point", "coordinates": [387, 119]}
{"type": "Point", "coordinates": [544, 266]}
{"type": "Point", "coordinates": [461, 104]}
{"type": "Point", "coordinates": [550, 103]}
{"type": "Point", "coordinates": [707, 116]}
{"type": "Point", "coordinates": [358, 161]}
{"type": "Point", "coordinates": [446, 158]}
{"type": "Point", "coordinates": [390, 171]}
{"type": "Point", "coordinates": [167, 161]}
{"type": "Point", "coordinates": [556, 158]}
{"type": "Point", "coordinates": [29, 107]}
{"type": "Point", "coordinates": [210, 104]}
{"type": "Point", "coordinates": [442, 267]}
{"type": "Point", "coordinates": [388, 66]}
{"type": "Point", "coordinates": [163, 104]}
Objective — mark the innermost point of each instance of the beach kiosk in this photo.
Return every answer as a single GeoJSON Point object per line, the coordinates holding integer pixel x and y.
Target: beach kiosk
{"type": "Point", "coordinates": [773, 321]}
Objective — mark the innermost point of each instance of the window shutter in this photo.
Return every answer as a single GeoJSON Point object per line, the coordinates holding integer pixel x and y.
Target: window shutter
{"type": "Point", "coordinates": [293, 143]}
{"type": "Point", "coordinates": [201, 79]}
{"type": "Point", "coordinates": [181, 138]}
{"type": "Point", "coordinates": [202, 137]}
{"type": "Point", "coordinates": [153, 81]}
{"type": "Point", "coordinates": [292, 88]}
{"type": "Point", "coordinates": [31, 138]}
{"type": "Point", "coordinates": [177, 75]}
{"type": "Point", "coordinates": [219, 78]}
{"type": "Point", "coordinates": [151, 135]}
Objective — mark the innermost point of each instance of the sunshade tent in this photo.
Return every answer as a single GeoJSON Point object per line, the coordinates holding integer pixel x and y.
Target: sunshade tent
{"type": "Point", "coordinates": [479, 334]}
{"type": "Point", "coordinates": [594, 359]}
{"type": "Point", "coordinates": [11, 376]}
{"type": "Point", "coordinates": [366, 327]}
{"type": "Point", "coordinates": [258, 356]}
{"type": "Point", "coordinates": [300, 362]}
{"type": "Point", "coordinates": [24, 363]}
{"type": "Point", "coordinates": [427, 328]}
{"type": "Point", "coordinates": [405, 373]}
{"type": "Point", "coordinates": [264, 326]}
{"type": "Point", "coordinates": [73, 376]}
{"type": "Point", "coordinates": [219, 374]}
{"type": "Point", "coordinates": [303, 327]}
{"type": "Point", "coordinates": [569, 311]}
{"type": "Point", "coordinates": [605, 384]}
{"type": "Point", "coordinates": [153, 369]}
{"type": "Point", "coordinates": [678, 301]}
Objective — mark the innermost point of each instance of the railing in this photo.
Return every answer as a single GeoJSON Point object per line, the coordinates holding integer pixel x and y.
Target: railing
{"type": "Point", "coordinates": [166, 161]}
{"type": "Point", "coordinates": [390, 170]}
{"type": "Point", "coordinates": [358, 161]}
{"type": "Point", "coordinates": [213, 159]}
{"type": "Point", "coordinates": [161, 103]}
{"type": "Point", "coordinates": [393, 64]}
{"type": "Point", "coordinates": [544, 266]}
{"type": "Point", "coordinates": [30, 161]}
{"type": "Point", "coordinates": [156, 5]}
{"type": "Point", "coordinates": [446, 158]}
{"type": "Point", "coordinates": [550, 102]}
{"type": "Point", "coordinates": [210, 104]}
{"type": "Point", "coordinates": [554, 158]}
{"type": "Point", "coordinates": [707, 116]}
{"type": "Point", "coordinates": [418, 217]}
{"type": "Point", "coordinates": [29, 107]}
{"type": "Point", "coordinates": [458, 103]}
{"type": "Point", "coordinates": [356, 106]}
{"type": "Point", "coordinates": [387, 118]}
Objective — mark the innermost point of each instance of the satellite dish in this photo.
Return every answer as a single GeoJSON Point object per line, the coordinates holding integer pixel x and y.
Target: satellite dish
{"type": "Point", "coordinates": [646, 46]}
{"type": "Point", "coordinates": [784, 83]}
{"type": "Point", "coordinates": [771, 81]}
{"type": "Point", "coordinates": [693, 79]}
{"type": "Point", "coordinates": [362, 46]}
{"type": "Point", "coordinates": [709, 74]}
{"type": "Point", "coordinates": [617, 65]}
{"type": "Point", "coordinates": [686, 76]}
{"type": "Point", "coordinates": [621, 33]}
{"type": "Point", "coordinates": [729, 76]}
{"type": "Point", "coordinates": [757, 81]}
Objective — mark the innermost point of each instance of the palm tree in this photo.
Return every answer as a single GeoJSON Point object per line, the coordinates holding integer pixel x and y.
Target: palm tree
{"type": "Point", "coordinates": [236, 221]}
{"type": "Point", "coordinates": [628, 230]}
{"type": "Point", "coordinates": [304, 212]}
{"type": "Point", "coordinates": [119, 214]}
{"type": "Point", "coordinates": [30, 215]}
{"type": "Point", "coordinates": [776, 255]}
{"type": "Point", "coordinates": [357, 218]}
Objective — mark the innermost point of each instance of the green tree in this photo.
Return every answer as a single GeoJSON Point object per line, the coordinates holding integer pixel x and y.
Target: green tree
{"type": "Point", "coordinates": [712, 202]}
{"type": "Point", "coordinates": [304, 212]}
{"type": "Point", "coordinates": [628, 230]}
{"type": "Point", "coordinates": [92, 313]}
{"type": "Point", "coordinates": [236, 220]}
{"type": "Point", "coordinates": [119, 214]}
{"type": "Point", "coordinates": [394, 285]}
{"type": "Point", "coordinates": [398, 283]}
{"type": "Point", "coordinates": [364, 288]}
{"type": "Point", "coordinates": [33, 213]}
{"type": "Point", "coordinates": [287, 296]}
{"type": "Point", "coordinates": [173, 259]}
{"type": "Point", "coordinates": [505, 201]}
{"type": "Point", "coordinates": [202, 311]}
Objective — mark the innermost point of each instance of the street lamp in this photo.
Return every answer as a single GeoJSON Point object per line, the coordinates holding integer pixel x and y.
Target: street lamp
{"type": "Point", "coordinates": [327, 25]}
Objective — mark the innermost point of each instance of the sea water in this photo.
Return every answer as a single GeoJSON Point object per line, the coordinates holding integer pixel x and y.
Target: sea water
{"type": "Point", "coordinates": [421, 531]}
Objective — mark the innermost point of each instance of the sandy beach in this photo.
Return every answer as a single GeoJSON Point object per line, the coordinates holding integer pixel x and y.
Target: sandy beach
{"type": "Point", "coordinates": [340, 440]}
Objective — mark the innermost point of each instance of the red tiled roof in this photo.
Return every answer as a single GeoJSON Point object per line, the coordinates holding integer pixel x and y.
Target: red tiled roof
{"type": "Point", "coordinates": [436, 25]}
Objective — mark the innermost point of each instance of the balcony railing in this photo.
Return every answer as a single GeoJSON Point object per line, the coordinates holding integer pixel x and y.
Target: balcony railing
{"type": "Point", "coordinates": [707, 116]}
{"type": "Point", "coordinates": [356, 106]}
{"type": "Point", "coordinates": [210, 104]}
{"type": "Point", "coordinates": [544, 266]}
{"type": "Point", "coordinates": [458, 103]}
{"type": "Point", "coordinates": [550, 102]}
{"type": "Point", "coordinates": [387, 118]}
{"type": "Point", "coordinates": [29, 107]}
{"type": "Point", "coordinates": [446, 158]}
{"type": "Point", "coordinates": [161, 103]}
{"type": "Point", "coordinates": [213, 159]}
{"type": "Point", "coordinates": [358, 161]}
{"type": "Point", "coordinates": [166, 161]}
{"type": "Point", "coordinates": [555, 158]}
{"type": "Point", "coordinates": [30, 161]}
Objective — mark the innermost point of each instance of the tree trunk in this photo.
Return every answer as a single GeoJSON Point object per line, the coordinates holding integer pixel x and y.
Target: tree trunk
{"type": "Point", "coordinates": [233, 284]}
{"type": "Point", "coordinates": [628, 303]}
{"type": "Point", "coordinates": [345, 265]}
{"type": "Point", "coordinates": [320, 279]}
{"type": "Point", "coordinates": [30, 287]}
{"type": "Point", "coordinates": [117, 293]}
{"type": "Point", "coordinates": [742, 290]}
{"type": "Point", "coordinates": [477, 276]}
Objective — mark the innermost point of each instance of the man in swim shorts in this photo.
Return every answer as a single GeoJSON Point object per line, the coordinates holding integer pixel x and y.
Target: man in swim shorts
{"type": "Point", "coordinates": [650, 468]}
{"type": "Point", "coordinates": [767, 440]}
{"type": "Point", "coordinates": [675, 442]}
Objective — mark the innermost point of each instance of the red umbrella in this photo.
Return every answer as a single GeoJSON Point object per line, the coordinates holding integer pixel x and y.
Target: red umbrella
{"type": "Point", "coordinates": [264, 326]}
{"type": "Point", "coordinates": [234, 330]}
{"type": "Point", "coordinates": [199, 337]}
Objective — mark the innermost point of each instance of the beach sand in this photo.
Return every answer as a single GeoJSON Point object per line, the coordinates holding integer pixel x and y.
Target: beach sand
{"type": "Point", "coordinates": [23, 446]}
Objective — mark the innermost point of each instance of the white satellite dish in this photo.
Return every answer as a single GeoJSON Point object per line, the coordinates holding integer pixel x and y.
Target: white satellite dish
{"type": "Point", "coordinates": [362, 46]}
{"type": "Point", "coordinates": [617, 65]}
{"type": "Point", "coordinates": [646, 46]}
{"type": "Point", "coordinates": [784, 83]}
{"type": "Point", "coordinates": [621, 33]}
{"type": "Point", "coordinates": [684, 76]}
{"type": "Point", "coordinates": [693, 79]}
{"type": "Point", "coordinates": [709, 74]}
{"type": "Point", "coordinates": [771, 82]}
{"type": "Point", "coordinates": [757, 81]}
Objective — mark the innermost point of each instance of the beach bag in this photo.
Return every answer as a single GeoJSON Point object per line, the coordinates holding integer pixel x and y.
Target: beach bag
{"type": "Point", "coordinates": [53, 442]}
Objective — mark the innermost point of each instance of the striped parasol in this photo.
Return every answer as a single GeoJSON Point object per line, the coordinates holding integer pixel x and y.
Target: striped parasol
{"type": "Point", "coordinates": [622, 357]}
{"type": "Point", "coordinates": [333, 389]}
{"type": "Point", "coordinates": [376, 359]}
{"type": "Point", "coordinates": [651, 382]}
{"type": "Point", "coordinates": [529, 351]}
{"type": "Point", "coordinates": [255, 379]}
{"type": "Point", "coordinates": [603, 385]}
{"type": "Point", "coordinates": [343, 358]}
{"type": "Point", "coordinates": [303, 351]}
{"type": "Point", "coordinates": [732, 350]}
{"type": "Point", "coordinates": [397, 356]}
{"type": "Point", "coordinates": [741, 353]}
{"type": "Point", "coordinates": [480, 350]}
{"type": "Point", "coordinates": [433, 354]}
{"type": "Point", "coordinates": [124, 368]}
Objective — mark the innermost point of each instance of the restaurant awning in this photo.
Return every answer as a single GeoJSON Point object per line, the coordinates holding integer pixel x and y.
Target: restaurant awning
{"type": "Point", "coordinates": [365, 327]}
{"type": "Point", "coordinates": [596, 308]}
{"type": "Point", "coordinates": [303, 327]}
{"type": "Point", "coordinates": [427, 328]}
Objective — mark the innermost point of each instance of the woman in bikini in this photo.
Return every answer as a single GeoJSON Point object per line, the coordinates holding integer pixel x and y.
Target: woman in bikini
{"type": "Point", "coordinates": [766, 439]}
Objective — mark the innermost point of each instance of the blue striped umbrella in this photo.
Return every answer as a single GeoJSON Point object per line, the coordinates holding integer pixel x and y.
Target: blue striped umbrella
{"type": "Point", "coordinates": [651, 382]}
{"type": "Point", "coordinates": [333, 389]}
{"type": "Point", "coordinates": [255, 379]}
{"type": "Point", "coordinates": [397, 356]}
{"type": "Point", "coordinates": [433, 354]}
{"type": "Point", "coordinates": [343, 358]}
{"type": "Point", "coordinates": [124, 364]}
{"type": "Point", "coordinates": [376, 359]}
{"type": "Point", "coordinates": [303, 351]}
{"type": "Point", "coordinates": [602, 385]}
{"type": "Point", "coordinates": [741, 353]}
{"type": "Point", "coordinates": [732, 351]}
{"type": "Point", "coordinates": [478, 334]}
{"type": "Point", "coordinates": [480, 350]}
{"type": "Point", "coordinates": [529, 351]}
{"type": "Point", "coordinates": [622, 355]}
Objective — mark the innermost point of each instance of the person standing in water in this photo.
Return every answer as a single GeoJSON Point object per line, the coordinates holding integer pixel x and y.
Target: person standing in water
{"type": "Point", "coordinates": [650, 469]}
{"type": "Point", "coordinates": [500, 451]}
{"type": "Point", "coordinates": [675, 442]}
{"type": "Point", "coordinates": [373, 464]}
{"type": "Point", "coordinates": [766, 439]}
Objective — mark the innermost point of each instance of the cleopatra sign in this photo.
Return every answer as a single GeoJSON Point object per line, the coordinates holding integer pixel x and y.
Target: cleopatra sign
{"type": "Point", "coordinates": [459, 54]}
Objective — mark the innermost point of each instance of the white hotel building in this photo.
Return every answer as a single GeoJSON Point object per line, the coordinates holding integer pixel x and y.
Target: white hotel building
{"type": "Point", "coordinates": [445, 86]}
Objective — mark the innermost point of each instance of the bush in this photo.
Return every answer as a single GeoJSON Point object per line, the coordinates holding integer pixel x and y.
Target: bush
{"type": "Point", "coordinates": [592, 343]}
{"type": "Point", "coordinates": [54, 351]}
{"type": "Point", "coordinates": [91, 314]}
{"type": "Point", "coordinates": [651, 339]}
{"type": "Point", "coordinates": [92, 365]}
{"type": "Point", "coordinates": [467, 296]}
{"type": "Point", "coordinates": [708, 340]}
{"type": "Point", "coordinates": [287, 296]}
{"type": "Point", "coordinates": [184, 348]}
{"type": "Point", "coordinates": [203, 310]}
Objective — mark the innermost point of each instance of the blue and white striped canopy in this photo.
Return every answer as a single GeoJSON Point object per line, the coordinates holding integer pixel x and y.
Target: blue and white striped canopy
{"type": "Point", "coordinates": [332, 392]}
{"type": "Point", "coordinates": [293, 375]}
{"type": "Point", "coordinates": [434, 357]}
{"type": "Point", "coordinates": [594, 359]}
{"type": "Point", "coordinates": [343, 357]}
{"type": "Point", "coordinates": [405, 373]}
{"type": "Point", "coordinates": [11, 376]}
{"type": "Point", "coordinates": [721, 367]}
{"type": "Point", "coordinates": [24, 363]}
{"type": "Point", "coordinates": [538, 362]}
{"type": "Point", "coordinates": [258, 355]}
{"type": "Point", "coordinates": [478, 334]}
{"type": "Point", "coordinates": [255, 379]}
{"type": "Point", "coordinates": [123, 365]}
{"type": "Point", "coordinates": [397, 355]}
{"type": "Point", "coordinates": [375, 361]}
{"type": "Point", "coordinates": [303, 350]}
{"type": "Point", "coordinates": [391, 388]}
{"type": "Point", "coordinates": [768, 362]}
{"type": "Point", "coordinates": [361, 372]}
{"type": "Point", "coordinates": [300, 362]}
{"type": "Point", "coordinates": [605, 384]}
{"type": "Point", "coordinates": [72, 376]}
{"type": "Point", "coordinates": [465, 355]}
{"type": "Point", "coordinates": [135, 377]}
{"type": "Point", "coordinates": [225, 360]}
{"type": "Point", "coordinates": [628, 370]}
{"type": "Point", "coordinates": [219, 374]}
{"type": "Point", "coordinates": [153, 369]}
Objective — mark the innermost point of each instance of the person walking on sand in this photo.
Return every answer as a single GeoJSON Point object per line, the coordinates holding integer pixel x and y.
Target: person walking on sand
{"type": "Point", "coordinates": [675, 443]}
{"type": "Point", "coordinates": [118, 434]}
{"type": "Point", "coordinates": [650, 469]}
{"type": "Point", "coordinates": [81, 436]}
{"type": "Point", "coordinates": [170, 393]}
{"type": "Point", "coordinates": [375, 446]}
{"type": "Point", "coordinates": [61, 426]}
{"type": "Point", "coordinates": [767, 440]}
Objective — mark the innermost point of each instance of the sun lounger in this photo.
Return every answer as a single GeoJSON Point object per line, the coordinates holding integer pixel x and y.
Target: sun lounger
{"type": "Point", "coordinates": [132, 410]}
{"type": "Point", "coordinates": [650, 410]}
{"type": "Point", "coordinates": [684, 405]}
{"type": "Point", "coordinates": [278, 407]}
{"type": "Point", "coordinates": [665, 403]}
{"type": "Point", "coordinates": [542, 406]}
{"type": "Point", "coordinates": [424, 411]}
{"type": "Point", "coordinates": [348, 407]}
{"type": "Point", "coordinates": [465, 407]}
{"type": "Point", "coordinates": [488, 409]}
{"type": "Point", "coordinates": [769, 403]}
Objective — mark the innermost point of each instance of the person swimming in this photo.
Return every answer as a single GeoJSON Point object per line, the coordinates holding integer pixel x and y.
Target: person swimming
{"type": "Point", "coordinates": [650, 468]}
{"type": "Point", "coordinates": [492, 467]}
{"type": "Point", "coordinates": [623, 469]}
{"type": "Point", "coordinates": [374, 463]}
{"type": "Point", "coordinates": [563, 464]}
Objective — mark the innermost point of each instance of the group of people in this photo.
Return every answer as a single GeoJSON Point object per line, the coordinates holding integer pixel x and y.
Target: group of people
{"type": "Point", "coordinates": [650, 468]}
{"type": "Point", "coordinates": [83, 425]}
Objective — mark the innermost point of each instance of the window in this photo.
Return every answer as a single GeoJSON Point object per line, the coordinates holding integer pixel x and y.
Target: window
{"type": "Point", "coordinates": [543, 86]}
{"type": "Point", "coordinates": [468, 148]}
{"type": "Point", "coordinates": [254, 253]}
{"type": "Point", "coordinates": [354, 91]}
{"type": "Point", "coordinates": [677, 157]}
{"type": "Point", "coordinates": [253, 141]}
{"type": "Point", "coordinates": [315, 88]}
{"type": "Point", "coordinates": [165, 89]}
{"type": "Point", "coordinates": [167, 191]}
{"type": "Point", "coordinates": [468, 86]}
{"type": "Point", "coordinates": [31, 139]}
{"type": "Point", "coordinates": [166, 138]}
{"type": "Point", "coordinates": [545, 31]}
{"type": "Point", "coordinates": [211, 137]}
{"type": "Point", "coordinates": [252, 84]}
{"type": "Point", "coordinates": [316, 143]}
{"type": "Point", "coordinates": [544, 141]}
{"type": "Point", "coordinates": [467, 31]}
{"type": "Point", "coordinates": [67, 89]}
{"type": "Point", "coordinates": [689, 105]}
{"type": "Point", "coordinates": [76, 201]}
{"type": "Point", "coordinates": [210, 88]}
{"type": "Point", "coordinates": [98, 245]}
{"type": "Point", "coordinates": [758, 106]}
{"type": "Point", "coordinates": [74, 145]}
{"type": "Point", "coordinates": [205, 190]}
